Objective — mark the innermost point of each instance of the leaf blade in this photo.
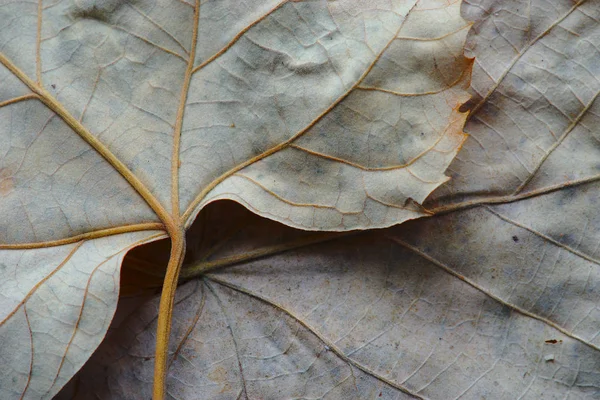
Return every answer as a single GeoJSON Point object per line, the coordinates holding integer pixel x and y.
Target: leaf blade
{"type": "Point", "coordinates": [61, 326]}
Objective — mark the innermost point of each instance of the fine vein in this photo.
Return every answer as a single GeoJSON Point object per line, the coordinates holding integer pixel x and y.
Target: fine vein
{"type": "Point", "coordinates": [493, 296]}
{"type": "Point", "coordinates": [519, 55]}
{"type": "Point", "coordinates": [330, 345]}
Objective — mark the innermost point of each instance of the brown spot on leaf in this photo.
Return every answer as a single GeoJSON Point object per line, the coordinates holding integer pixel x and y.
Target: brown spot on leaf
{"type": "Point", "coordinates": [6, 186]}
{"type": "Point", "coordinates": [218, 374]}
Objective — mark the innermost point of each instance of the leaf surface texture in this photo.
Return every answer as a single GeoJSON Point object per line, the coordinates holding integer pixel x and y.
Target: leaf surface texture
{"type": "Point", "coordinates": [123, 120]}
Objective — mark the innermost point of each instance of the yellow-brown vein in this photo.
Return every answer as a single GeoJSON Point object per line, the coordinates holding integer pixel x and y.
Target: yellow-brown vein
{"type": "Point", "coordinates": [180, 114]}
{"type": "Point", "coordinates": [193, 324]}
{"type": "Point", "coordinates": [315, 205]}
{"type": "Point", "coordinates": [143, 39]}
{"type": "Point", "coordinates": [370, 169]}
{"type": "Point", "coordinates": [150, 226]}
{"type": "Point", "coordinates": [25, 97]}
{"type": "Point", "coordinates": [433, 39]}
{"type": "Point", "coordinates": [156, 24]}
{"type": "Point", "coordinates": [76, 327]}
{"type": "Point", "coordinates": [456, 82]}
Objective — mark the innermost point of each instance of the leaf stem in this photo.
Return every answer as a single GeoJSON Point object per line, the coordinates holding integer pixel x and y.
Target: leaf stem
{"type": "Point", "coordinates": [165, 313]}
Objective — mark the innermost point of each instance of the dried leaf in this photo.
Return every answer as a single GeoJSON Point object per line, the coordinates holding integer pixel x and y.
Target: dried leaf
{"type": "Point", "coordinates": [124, 119]}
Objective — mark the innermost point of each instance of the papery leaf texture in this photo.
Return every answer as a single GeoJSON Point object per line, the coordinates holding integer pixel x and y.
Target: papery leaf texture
{"type": "Point", "coordinates": [495, 296]}
{"type": "Point", "coordinates": [122, 120]}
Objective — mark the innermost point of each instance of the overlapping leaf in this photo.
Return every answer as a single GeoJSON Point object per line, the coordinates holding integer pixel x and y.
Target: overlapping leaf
{"type": "Point", "coordinates": [536, 81]}
{"type": "Point", "coordinates": [425, 310]}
